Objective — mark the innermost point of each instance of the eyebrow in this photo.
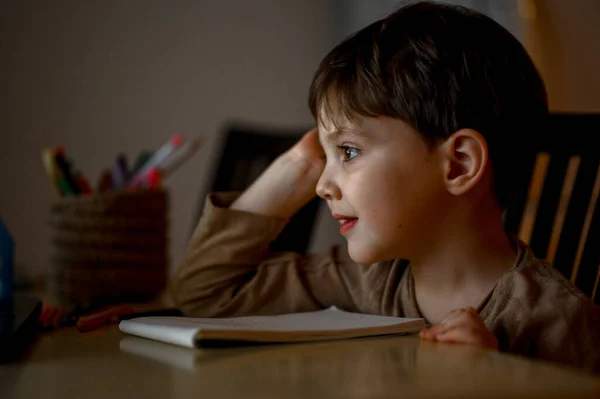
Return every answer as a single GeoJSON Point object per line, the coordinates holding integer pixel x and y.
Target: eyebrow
{"type": "Point", "coordinates": [344, 132]}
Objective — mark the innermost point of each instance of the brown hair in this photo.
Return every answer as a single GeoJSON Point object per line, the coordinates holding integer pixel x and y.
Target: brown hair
{"type": "Point", "coordinates": [440, 68]}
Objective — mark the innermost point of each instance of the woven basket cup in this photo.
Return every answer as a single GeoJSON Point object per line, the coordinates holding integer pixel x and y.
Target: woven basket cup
{"type": "Point", "coordinates": [108, 248]}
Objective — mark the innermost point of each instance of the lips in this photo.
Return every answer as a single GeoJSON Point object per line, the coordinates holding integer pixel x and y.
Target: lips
{"type": "Point", "coordinates": [347, 223]}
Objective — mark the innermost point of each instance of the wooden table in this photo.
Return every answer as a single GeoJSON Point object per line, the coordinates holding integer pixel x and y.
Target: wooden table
{"type": "Point", "coordinates": [108, 364]}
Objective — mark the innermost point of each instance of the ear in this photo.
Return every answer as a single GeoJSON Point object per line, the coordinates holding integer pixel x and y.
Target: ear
{"type": "Point", "coordinates": [466, 160]}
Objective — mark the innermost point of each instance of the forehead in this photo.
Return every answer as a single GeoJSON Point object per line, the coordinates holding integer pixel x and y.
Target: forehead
{"type": "Point", "coordinates": [332, 122]}
{"type": "Point", "coordinates": [334, 125]}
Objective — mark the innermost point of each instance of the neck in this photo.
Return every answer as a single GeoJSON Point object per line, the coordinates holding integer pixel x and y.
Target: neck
{"type": "Point", "coordinates": [466, 257]}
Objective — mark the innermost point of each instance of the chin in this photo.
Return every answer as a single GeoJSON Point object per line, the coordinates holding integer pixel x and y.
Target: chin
{"type": "Point", "coordinates": [363, 255]}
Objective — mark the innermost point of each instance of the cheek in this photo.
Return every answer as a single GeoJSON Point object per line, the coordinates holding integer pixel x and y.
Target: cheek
{"type": "Point", "coordinates": [397, 201]}
{"type": "Point", "coordinates": [381, 200]}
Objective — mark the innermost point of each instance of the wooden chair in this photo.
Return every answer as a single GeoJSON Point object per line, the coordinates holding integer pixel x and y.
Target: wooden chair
{"type": "Point", "coordinates": [246, 153]}
{"type": "Point", "coordinates": [559, 216]}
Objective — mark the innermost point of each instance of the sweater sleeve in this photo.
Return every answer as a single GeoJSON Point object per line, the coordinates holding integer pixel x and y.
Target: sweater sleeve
{"type": "Point", "coordinates": [538, 313]}
{"type": "Point", "coordinates": [572, 337]}
{"type": "Point", "coordinates": [228, 270]}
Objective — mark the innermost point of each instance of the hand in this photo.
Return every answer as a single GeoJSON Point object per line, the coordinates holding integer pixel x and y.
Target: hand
{"type": "Point", "coordinates": [288, 183]}
{"type": "Point", "coordinates": [308, 149]}
{"type": "Point", "coordinates": [463, 326]}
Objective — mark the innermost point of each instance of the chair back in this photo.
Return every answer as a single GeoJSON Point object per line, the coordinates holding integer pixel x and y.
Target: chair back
{"type": "Point", "coordinates": [559, 215]}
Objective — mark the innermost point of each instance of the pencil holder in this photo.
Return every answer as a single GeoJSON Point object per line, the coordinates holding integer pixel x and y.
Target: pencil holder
{"type": "Point", "coordinates": [108, 248]}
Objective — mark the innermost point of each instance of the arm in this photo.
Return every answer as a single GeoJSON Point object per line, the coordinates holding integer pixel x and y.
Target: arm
{"type": "Point", "coordinates": [229, 271]}
{"type": "Point", "coordinates": [572, 339]}
{"type": "Point", "coordinates": [288, 183]}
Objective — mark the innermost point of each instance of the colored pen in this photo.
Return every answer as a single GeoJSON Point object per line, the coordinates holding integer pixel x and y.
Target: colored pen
{"type": "Point", "coordinates": [150, 179]}
{"type": "Point", "coordinates": [105, 181]}
{"type": "Point", "coordinates": [64, 187]}
{"type": "Point", "coordinates": [65, 173]}
{"type": "Point", "coordinates": [82, 183]}
{"type": "Point", "coordinates": [119, 172]}
{"type": "Point", "coordinates": [51, 169]}
{"type": "Point", "coordinates": [140, 161]}
{"type": "Point", "coordinates": [157, 158]}
{"type": "Point", "coordinates": [181, 155]}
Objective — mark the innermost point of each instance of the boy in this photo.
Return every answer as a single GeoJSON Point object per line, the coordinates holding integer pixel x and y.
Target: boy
{"type": "Point", "coordinates": [422, 119]}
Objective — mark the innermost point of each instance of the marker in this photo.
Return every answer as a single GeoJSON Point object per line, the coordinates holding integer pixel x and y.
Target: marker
{"type": "Point", "coordinates": [64, 187]}
{"type": "Point", "coordinates": [150, 179]}
{"type": "Point", "coordinates": [179, 157]}
{"type": "Point", "coordinates": [154, 179]}
{"type": "Point", "coordinates": [157, 158]}
{"type": "Point", "coordinates": [65, 173]}
{"type": "Point", "coordinates": [105, 181]}
{"type": "Point", "coordinates": [119, 172]}
{"type": "Point", "coordinates": [140, 161]}
{"type": "Point", "coordinates": [82, 183]}
{"type": "Point", "coordinates": [51, 169]}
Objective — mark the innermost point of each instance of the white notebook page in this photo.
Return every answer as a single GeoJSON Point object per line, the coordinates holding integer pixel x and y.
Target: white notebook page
{"type": "Point", "coordinates": [181, 330]}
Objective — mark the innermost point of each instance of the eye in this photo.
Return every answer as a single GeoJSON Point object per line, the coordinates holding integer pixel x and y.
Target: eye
{"type": "Point", "coordinates": [349, 153]}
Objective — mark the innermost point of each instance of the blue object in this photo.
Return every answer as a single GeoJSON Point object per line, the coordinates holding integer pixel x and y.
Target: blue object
{"type": "Point", "coordinates": [19, 314]}
{"type": "Point", "coordinates": [7, 250]}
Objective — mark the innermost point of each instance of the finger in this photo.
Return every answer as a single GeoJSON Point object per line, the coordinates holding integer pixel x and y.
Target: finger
{"type": "Point", "coordinates": [427, 335]}
{"type": "Point", "coordinates": [433, 332]}
{"type": "Point", "coordinates": [313, 131]}
{"type": "Point", "coordinates": [309, 147]}
{"type": "Point", "coordinates": [470, 336]}
{"type": "Point", "coordinates": [464, 335]}
{"type": "Point", "coordinates": [456, 318]}
{"type": "Point", "coordinates": [462, 317]}
{"type": "Point", "coordinates": [311, 136]}
{"type": "Point", "coordinates": [430, 333]}
{"type": "Point", "coordinates": [448, 321]}
{"type": "Point", "coordinates": [313, 141]}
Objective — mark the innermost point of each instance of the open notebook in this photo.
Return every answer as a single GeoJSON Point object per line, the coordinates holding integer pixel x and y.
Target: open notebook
{"type": "Point", "coordinates": [321, 325]}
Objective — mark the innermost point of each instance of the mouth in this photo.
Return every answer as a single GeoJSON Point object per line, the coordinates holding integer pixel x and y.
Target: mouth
{"type": "Point", "coordinates": [347, 223]}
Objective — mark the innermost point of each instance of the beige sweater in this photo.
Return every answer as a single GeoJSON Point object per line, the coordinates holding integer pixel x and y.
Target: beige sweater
{"type": "Point", "coordinates": [228, 271]}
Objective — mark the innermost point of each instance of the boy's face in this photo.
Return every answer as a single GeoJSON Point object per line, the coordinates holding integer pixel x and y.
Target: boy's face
{"type": "Point", "coordinates": [385, 185]}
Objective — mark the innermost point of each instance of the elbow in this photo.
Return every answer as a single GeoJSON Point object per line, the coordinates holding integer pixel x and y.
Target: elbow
{"type": "Point", "coordinates": [197, 301]}
{"type": "Point", "coordinates": [185, 299]}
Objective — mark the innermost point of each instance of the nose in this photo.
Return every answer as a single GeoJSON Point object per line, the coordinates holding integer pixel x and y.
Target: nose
{"type": "Point", "coordinates": [327, 188]}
